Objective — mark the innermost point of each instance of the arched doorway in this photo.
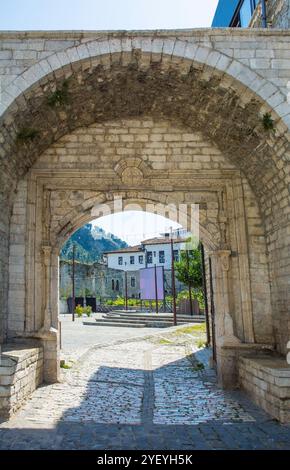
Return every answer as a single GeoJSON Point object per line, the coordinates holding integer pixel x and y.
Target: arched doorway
{"type": "Point", "coordinates": [142, 130]}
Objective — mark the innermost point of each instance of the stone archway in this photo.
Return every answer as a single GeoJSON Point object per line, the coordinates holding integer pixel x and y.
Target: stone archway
{"type": "Point", "coordinates": [62, 198]}
{"type": "Point", "coordinates": [95, 141]}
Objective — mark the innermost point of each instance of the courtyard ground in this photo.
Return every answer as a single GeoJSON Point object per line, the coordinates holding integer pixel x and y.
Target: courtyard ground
{"type": "Point", "coordinates": [148, 392]}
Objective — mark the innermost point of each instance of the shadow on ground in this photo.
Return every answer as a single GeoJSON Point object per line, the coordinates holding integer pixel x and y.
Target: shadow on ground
{"type": "Point", "coordinates": [172, 407]}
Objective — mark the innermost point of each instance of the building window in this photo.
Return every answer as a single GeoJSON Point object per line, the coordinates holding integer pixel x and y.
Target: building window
{"type": "Point", "coordinates": [133, 282]}
{"type": "Point", "coordinates": [113, 284]}
{"type": "Point", "coordinates": [244, 14]}
{"type": "Point", "coordinates": [132, 259]}
{"type": "Point", "coordinates": [149, 257]}
{"type": "Point", "coordinates": [161, 257]}
{"type": "Point", "coordinates": [120, 260]}
{"type": "Point", "coordinates": [175, 255]}
{"type": "Point", "coordinates": [117, 285]}
{"type": "Point", "coordinates": [141, 259]}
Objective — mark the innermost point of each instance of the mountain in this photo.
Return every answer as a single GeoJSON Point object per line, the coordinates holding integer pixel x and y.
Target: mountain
{"type": "Point", "coordinates": [90, 243]}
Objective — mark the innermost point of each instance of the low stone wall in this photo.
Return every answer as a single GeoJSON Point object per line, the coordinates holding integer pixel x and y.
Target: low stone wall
{"type": "Point", "coordinates": [267, 381]}
{"type": "Point", "coordinates": [21, 372]}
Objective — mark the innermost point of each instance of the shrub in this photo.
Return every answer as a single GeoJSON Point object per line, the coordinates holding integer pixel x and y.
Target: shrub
{"type": "Point", "coordinates": [79, 310]}
{"type": "Point", "coordinates": [88, 310]}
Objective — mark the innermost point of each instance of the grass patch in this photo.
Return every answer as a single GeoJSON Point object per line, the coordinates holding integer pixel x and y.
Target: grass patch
{"type": "Point", "coordinates": [164, 341]}
{"type": "Point", "coordinates": [200, 328]}
{"type": "Point", "coordinates": [64, 365]}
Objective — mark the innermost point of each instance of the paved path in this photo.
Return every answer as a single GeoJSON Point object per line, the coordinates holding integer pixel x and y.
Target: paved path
{"type": "Point", "coordinates": [78, 338]}
{"type": "Point", "coordinates": [145, 394]}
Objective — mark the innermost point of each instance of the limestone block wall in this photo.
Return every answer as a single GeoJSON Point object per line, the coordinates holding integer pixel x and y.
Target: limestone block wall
{"type": "Point", "coordinates": [17, 253]}
{"type": "Point", "coordinates": [21, 372]}
{"type": "Point", "coordinates": [259, 267]}
{"type": "Point", "coordinates": [162, 144]}
{"type": "Point", "coordinates": [267, 381]}
{"type": "Point", "coordinates": [19, 52]}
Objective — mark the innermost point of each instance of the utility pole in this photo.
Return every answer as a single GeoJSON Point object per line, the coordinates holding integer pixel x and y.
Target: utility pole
{"type": "Point", "coordinates": [126, 291]}
{"type": "Point", "coordinates": [156, 288]}
{"type": "Point", "coordinates": [189, 283]}
{"type": "Point", "coordinates": [73, 284]}
{"type": "Point", "coordinates": [173, 282]}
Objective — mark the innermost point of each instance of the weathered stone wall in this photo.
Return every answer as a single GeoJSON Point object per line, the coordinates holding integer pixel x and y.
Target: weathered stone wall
{"type": "Point", "coordinates": [161, 144]}
{"type": "Point", "coordinates": [17, 253]}
{"type": "Point", "coordinates": [278, 15]}
{"type": "Point", "coordinates": [267, 382]}
{"type": "Point", "coordinates": [21, 372]}
{"type": "Point", "coordinates": [96, 280]}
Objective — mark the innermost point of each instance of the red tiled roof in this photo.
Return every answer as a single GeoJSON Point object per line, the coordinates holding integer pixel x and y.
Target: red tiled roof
{"type": "Point", "coordinates": [150, 241]}
{"type": "Point", "coordinates": [128, 249]}
{"type": "Point", "coordinates": [159, 241]}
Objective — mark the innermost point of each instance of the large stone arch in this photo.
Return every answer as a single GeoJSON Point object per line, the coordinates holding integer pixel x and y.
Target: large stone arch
{"type": "Point", "coordinates": [166, 78]}
{"type": "Point", "coordinates": [90, 166]}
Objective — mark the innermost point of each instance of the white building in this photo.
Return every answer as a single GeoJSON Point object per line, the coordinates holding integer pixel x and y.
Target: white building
{"type": "Point", "coordinates": [155, 251]}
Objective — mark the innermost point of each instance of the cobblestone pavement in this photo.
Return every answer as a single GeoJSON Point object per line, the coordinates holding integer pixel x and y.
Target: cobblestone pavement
{"type": "Point", "coordinates": [142, 394]}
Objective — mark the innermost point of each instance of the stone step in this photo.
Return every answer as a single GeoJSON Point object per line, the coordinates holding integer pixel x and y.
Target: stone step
{"type": "Point", "coordinates": [149, 323]}
{"type": "Point", "coordinates": [136, 323]}
{"type": "Point", "coordinates": [193, 319]}
{"type": "Point", "coordinates": [121, 324]}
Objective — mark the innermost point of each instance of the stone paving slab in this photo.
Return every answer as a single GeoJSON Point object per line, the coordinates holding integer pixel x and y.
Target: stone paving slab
{"type": "Point", "coordinates": [140, 395]}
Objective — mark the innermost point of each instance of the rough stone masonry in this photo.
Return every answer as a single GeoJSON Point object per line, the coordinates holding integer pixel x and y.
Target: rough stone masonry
{"type": "Point", "coordinates": [159, 117]}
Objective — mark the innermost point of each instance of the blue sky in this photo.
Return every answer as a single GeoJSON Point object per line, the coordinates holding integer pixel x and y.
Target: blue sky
{"type": "Point", "coordinates": [108, 14]}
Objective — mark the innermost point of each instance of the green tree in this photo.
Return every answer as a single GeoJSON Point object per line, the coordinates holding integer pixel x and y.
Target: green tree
{"type": "Point", "coordinates": [188, 268]}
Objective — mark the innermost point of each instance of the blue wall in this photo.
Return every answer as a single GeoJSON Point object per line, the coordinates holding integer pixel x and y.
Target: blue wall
{"type": "Point", "coordinates": [224, 13]}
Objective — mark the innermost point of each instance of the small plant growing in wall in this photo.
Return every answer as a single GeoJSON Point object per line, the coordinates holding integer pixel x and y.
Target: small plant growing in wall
{"type": "Point", "coordinates": [27, 134]}
{"type": "Point", "coordinates": [60, 96]}
{"type": "Point", "coordinates": [268, 122]}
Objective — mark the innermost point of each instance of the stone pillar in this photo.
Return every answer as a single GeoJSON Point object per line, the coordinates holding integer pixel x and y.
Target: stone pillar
{"type": "Point", "coordinates": [47, 317]}
{"type": "Point", "coordinates": [226, 341]}
{"type": "Point", "coordinates": [49, 334]}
